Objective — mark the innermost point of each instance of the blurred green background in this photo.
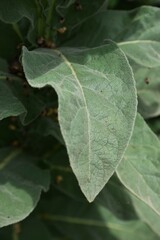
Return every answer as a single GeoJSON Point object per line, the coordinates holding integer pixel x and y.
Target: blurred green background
{"type": "Point", "coordinates": [130, 4]}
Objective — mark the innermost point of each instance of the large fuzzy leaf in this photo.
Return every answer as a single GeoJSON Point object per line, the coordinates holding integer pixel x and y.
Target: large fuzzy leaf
{"type": "Point", "coordinates": [139, 169]}
{"type": "Point", "coordinates": [20, 186]}
{"type": "Point", "coordinates": [137, 34]}
{"type": "Point", "coordinates": [113, 196]}
{"type": "Point", "coordinates": [97, 105]}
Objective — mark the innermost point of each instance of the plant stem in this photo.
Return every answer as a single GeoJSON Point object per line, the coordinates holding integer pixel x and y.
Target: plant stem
{"type": "Point", "coordinates": [49, 20]}
{"type": "Point", "coordinates": [16, 230]}
{"type": "Point", "coordinates": [40, 21]}
{"type": "Point", "coordinates": [9, 158]}
{"type": "Point", "coordinates": [17, 30]}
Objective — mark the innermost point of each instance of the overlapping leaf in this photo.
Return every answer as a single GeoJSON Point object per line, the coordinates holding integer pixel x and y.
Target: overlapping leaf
{"type": "Point", "coordinates": [75, 12]}
{"type": "Point", "coordinates": [12, 11]}
{"type": "Point", "coordinates": [147, 215]}
{"type": "Point", "coordinates": [8, 49]}
{"type": "Point", "coordinates": [9, 104]}
{"type": "Point", "coordinates": [138, 33]}
{"type": "Point", "coordinates": [113, 196]}
{"type": "Point", "coordinates": [20, 186]}
{"type": "Point", "coordinates": [15, 99]}
{"type": "Point", "coordinates": [84, 221]}
{"type": "Point", "coordinates": [139, 169]}
{"type": "Point", "coordinates": [95, 117]}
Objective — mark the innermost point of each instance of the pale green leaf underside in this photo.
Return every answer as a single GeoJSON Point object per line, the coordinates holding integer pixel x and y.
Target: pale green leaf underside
{"type": "Point", "coordinates": [137, 34]}
{"type": "Point", "coordinates": [146, 53]}
{"type": "Point", "coordinates": [139, 170]}
{"type": "Point", "coordinates": [97, 106]}
{"type": "Point", "coordinates": [20, 186]}
{"type": "Point", "coordinates": [147, 215]}
{"type": "Point", "coordinates": [144, 57]}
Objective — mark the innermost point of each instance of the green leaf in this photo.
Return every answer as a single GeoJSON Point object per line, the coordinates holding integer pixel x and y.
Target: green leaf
{"type": "Point", "coordinates": [76, 12]}
{"type": "Point", "coordinates": [25, 18]}
{"type": "Point", "coordinates": [148, 84]}
{"type": "Point", "coordinates": [145, 53]}
{"type": "Point", "coordinates": [33, 228]}
{"type": "Point", "coordinates": [12, 11]}
{"type": "Point", "coordinates": [9, 104]}
{"type": "Point", "coordinates": [90, 221]}
{"type": "Point", "coordinates": [113, 196]}
{"type": "Point", "coordinates": [147, 215]}
{"type": "Point", "coordinates": [20, 186]}
{"type": "Point", "coordinates": [139, 169]}
{"type": "Point", "coordinates": [32, 103]}
{"type": "Point", "coordinates": [137, 34]}
{"type": "Point", "coordinates": [46, 126]}
{"type": "Point", "coordinates": [144, 58]}
{"type": "Point", "coordinates": [138, 24]}
{"type": "Point", "coordinates": [95, 116]}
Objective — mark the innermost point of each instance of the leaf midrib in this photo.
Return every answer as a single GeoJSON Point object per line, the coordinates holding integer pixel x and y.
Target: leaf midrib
{"type": "Point", "coordinates": [82, 221]}
{"type": "Point", "coordinates": [66, 61]}
{"type": "Point", "coordinates": [136, 42]}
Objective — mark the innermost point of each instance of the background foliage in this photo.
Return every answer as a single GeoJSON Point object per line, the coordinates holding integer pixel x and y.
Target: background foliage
{"type": "Point", "coordinates": [78, 158]}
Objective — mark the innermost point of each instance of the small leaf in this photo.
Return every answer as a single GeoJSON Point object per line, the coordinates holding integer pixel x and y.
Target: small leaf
{"type": "Point", "coordinates": [139, 170]}
{"type": "Point", "coordinates": [97, 106]}
{"type": "Point", "coordinates": [20, 186]}
{"type": "Point", "coordinates": [9, 104]}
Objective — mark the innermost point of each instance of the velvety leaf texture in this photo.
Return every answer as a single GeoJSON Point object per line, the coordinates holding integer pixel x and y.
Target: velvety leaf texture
{"type": "Point", "coordinates": [97, 105]}
{"type": "Point", "coordinates": [20, 186]}
{"type": "Point", "coordinates": [136, 51]}
{"type": "Point", "coordinates": [139, 169]}
{"type": "Point", "coordinates": [137, 33]}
